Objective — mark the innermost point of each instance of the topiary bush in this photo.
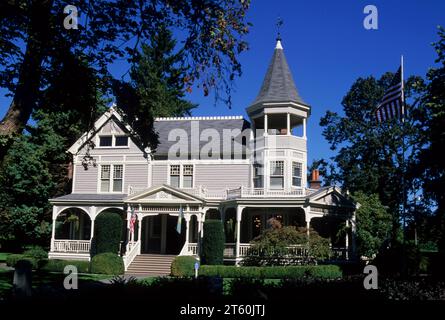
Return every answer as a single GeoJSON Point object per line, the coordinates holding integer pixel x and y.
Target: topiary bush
{"type": "Point", "coordinates": [107, 263]}
{"type": "Point", "coordinates": [13, 259]}
{"type": "Point", "coordinates": [213, 242]}
{"type": "Point", "coordinates": [56, 265]}
{"type": "Point", "coordinates": [108, 233]}
{"type": "Point", "coordinates": [183, 266]}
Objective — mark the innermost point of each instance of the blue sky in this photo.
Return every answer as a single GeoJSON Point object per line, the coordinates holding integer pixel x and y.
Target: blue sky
{"type": "Point", "coordinates": [327, 48]}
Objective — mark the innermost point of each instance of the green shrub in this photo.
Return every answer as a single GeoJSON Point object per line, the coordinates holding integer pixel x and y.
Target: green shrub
{"type": "Point", "coordinates": [56, 265]}
{"type": "Point", "coordinates": [183, 266]}
{"type": "Point", "coordinates": [213, 242]}
{"type": "Point", "coordinates": [270, 248]}
{"type": "Point", "coordinates": [108, 233]}
{"type": "Point", "coordinates": [13, 259]}
{"type": "Point", "coordinates": [107, 263]}
{"type": "Point", "coordinates": [290, 272]}
{"type": "Point", "coordinates": [36, 252]}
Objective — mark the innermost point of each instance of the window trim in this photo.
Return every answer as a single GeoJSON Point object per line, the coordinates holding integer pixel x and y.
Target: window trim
{"type": "Point", "coordinates": [282, 176]}
{"type": "Point", "coordinates": [181, 175]}
{"type": "Point", "coordinates": [111, 186]}
{"type": "Point", "coordinates": [113, 141]}
{"type": "Point", "coordinates": [255, 176]}
{"type": "Point", "coordinates": [301, 174]}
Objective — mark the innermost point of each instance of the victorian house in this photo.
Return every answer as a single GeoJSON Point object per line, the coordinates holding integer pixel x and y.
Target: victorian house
{"type": "Point", "coordinates": [243, 171]}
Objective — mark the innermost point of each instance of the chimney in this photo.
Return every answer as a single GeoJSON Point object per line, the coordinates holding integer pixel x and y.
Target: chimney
{"type": "Point", "coordinates": [315, 182]}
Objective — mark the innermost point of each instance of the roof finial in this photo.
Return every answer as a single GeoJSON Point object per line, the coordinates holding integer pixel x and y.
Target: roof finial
{"type": "Point", "coordinates": [279, 24]}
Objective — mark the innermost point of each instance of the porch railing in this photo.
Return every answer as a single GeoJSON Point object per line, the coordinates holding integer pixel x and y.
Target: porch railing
{"type": "Point", "coordinates": [133, 249]}
{"type": "Point", "coordinates": [337, 253]}
{"type": "Point", "coordinates": [71, 246]}
{"type": "Point", "coordinates": [190, 249]}
{"type": "Point", "coordinates": [243, 192]}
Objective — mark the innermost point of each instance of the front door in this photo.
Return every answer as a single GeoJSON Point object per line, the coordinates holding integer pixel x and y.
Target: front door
{"type": "Point", "coordinates": [159, 235]}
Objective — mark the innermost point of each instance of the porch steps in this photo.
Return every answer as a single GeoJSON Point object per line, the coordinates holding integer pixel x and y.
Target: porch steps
{"type": "Point", "coordinates": [150, 265]}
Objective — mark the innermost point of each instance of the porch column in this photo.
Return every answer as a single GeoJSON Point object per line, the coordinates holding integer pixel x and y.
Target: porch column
{"type": "Point", "coordinates": [265, 125]}
{"type": "Point", "coordinates": [307, 217]}
{"type": "Point", "coordinates": [187, 228]}
{"type": "Point", "coordinates": [304, 128]}
{"type": "Point", "coordinates": [93, 210]}
{"type": "Point", "coordinates": [128, 224]}
{"type": "Point", "coordinates": [353, 235]}
{"type": "Point", "coordinates": [139, 230]}
{"type": "Point", "coordinates": [53, 231]}
{"type": "Point", "coordinates": [347, 239]}
{"type": "Point", "coordinates": [239, 212]}
{"type": "Point", "coordinates": [288, 124]}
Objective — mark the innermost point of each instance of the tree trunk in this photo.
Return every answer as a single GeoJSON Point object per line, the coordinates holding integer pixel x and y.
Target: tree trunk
{"type": "Point", "coordinates": [27, 90]}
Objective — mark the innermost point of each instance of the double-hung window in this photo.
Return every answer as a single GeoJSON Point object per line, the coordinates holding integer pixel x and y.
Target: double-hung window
{"type": "Point", "coordinates": [258, 176]}
{"type": "Point", "coordinates": [181, 176]}
{"type": "Point", "coordinates": [187, 180]}
{"type": "Point", "coordinates": [111, 178]}
{"type": "Point", "coordinates": [296, 174]}
{"type": "Point", "coordinates": [277, 174]}
{"type": "Point", "coordinates": [105, 178]}
{"type": "Point", "coordinates": [118, 173]}
{"type": "Point", "coordinates": [175, 175]}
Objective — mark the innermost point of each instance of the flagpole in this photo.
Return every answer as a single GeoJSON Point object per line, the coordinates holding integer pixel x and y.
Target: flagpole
{"type": "Point", "coordinates": [404, 195]}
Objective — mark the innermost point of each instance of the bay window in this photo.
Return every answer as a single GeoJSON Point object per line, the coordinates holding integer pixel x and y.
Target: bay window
{"type": "Point", "coordinates": [277, 174]}
{"type": "Point", "coordinates": [296, 174]}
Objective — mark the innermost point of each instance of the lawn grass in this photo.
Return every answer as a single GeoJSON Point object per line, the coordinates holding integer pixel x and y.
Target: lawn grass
{"type": "Point", "coordinates": [45, 278]}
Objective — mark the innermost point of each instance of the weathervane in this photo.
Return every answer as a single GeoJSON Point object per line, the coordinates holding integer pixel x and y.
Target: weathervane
{"type": "Point", "coordinates": [279, 24]}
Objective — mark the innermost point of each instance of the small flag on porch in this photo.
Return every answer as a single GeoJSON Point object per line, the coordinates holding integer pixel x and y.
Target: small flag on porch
{"type": "Point", "coordinates": [392, 104]}
{"type": "Point", "coordinates": [132, 221]}
{"type": "Point", "coordinates": [179, 223]}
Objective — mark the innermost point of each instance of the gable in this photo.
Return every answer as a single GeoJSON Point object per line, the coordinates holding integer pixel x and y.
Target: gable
{"type": "Point", "coordinates": [330, 196]}
{"type": "Point", "coordinates": [162, 194]}
{"type": "Point", "coordinates": [109, 123]}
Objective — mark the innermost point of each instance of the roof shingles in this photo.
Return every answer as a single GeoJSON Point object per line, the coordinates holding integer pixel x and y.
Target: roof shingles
{"type": "Point", "coordinates": [278, 84]}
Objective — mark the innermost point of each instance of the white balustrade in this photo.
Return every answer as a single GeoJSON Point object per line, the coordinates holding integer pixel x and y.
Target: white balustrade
{"type": "Point", "coordinates": [133, 249]}
{"type": "Point", "coordinates": [244, 192]}
{"type": "Point", "coordinates": [72, 246]}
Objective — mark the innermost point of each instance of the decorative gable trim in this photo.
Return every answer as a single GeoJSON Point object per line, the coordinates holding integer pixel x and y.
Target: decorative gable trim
{"type": "Point", "coordinates": [103, 119]}
{"type": "Point", "coordinates": [318, 197]}
{"type": "Point", "coordinates": [160, 192]}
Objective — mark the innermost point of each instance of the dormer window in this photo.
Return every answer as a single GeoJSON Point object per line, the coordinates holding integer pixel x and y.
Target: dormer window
{"type": "Point", "coordinates": [110, 141]}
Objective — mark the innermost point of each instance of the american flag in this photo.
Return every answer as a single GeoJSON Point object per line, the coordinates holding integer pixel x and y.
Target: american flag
{"type": "Point", "coordinates": [132, 220]}
{"type": "Point", "coordinates": [392, 104]}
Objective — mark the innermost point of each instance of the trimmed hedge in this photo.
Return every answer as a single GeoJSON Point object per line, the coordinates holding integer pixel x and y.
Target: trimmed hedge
{"type": "Point", "coordinates": [13, 259]}
{"type": "Point", "coordinates": [107, 263]}
{"type": "Point", "coordinates": [289, 272]}
{"type": "Point", "coordinates": [56, 265]}
{"type": "Point", "coordinates": [213, 242]}
{"type": "Point", "coordinates": [108, 233]}
{"type": "Point", "coordinates": [183, 266]}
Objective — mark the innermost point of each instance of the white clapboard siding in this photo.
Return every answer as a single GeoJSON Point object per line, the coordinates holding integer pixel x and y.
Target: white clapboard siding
{"type": "Point", "coordinates": [216, 177]}
{"type": "Point", "coordinates": [159, 175]}
{"type": "Point", "coordinates": [85, 181]}
{"type": "Point", "coordinates": [136, 175]}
